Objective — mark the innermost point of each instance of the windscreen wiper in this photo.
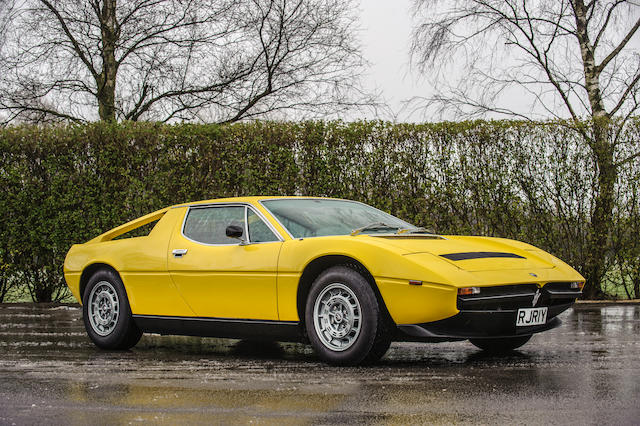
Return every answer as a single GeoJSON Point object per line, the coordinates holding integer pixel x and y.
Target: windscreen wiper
{"type": "Point", "coordinates": [416, 230]}
{"type": "Point", "coordinates": [371, 226]}
{"type": "Point", "coordinates": [419, 230]}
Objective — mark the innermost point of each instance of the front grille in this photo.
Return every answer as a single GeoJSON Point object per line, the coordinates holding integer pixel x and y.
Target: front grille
{"type": "Point", "coordinates": [512, 297]}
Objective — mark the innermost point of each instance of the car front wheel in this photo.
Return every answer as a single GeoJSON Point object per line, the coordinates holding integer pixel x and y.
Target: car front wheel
{"type": "Point", "coordinates": [500, 345]}
{"type": "Point", "coordinates": [106, 312]}
{"type": "Point", "coordinates": [344, 321]}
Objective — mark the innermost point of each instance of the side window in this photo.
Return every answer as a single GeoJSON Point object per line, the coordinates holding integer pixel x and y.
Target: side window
{"type": "Point", "coordinates": [208, 224]}
{"type": "Point", "coordinates": [259, 232]}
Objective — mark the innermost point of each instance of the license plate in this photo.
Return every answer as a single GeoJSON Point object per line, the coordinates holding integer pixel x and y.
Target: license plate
{"type": "Point", "coordinates": [531, 316]}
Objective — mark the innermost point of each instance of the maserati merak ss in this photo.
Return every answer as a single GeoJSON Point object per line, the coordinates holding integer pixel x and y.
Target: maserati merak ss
{"type": "Point", "coordinates": [343, 276]}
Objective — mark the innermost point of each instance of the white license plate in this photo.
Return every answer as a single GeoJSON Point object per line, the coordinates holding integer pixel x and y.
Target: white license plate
{"type": "Point", "coordinates": [531, 316]}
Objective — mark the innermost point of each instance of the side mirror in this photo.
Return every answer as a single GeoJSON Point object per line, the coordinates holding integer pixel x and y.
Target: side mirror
{"type": "Point", "coordinates": [235, 231]}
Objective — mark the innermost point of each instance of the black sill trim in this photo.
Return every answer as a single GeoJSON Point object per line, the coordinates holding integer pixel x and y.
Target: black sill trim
{"type": "Point", "coordinates": [480, 255]}
{"type": "Point", "coordinates": [220, 327]}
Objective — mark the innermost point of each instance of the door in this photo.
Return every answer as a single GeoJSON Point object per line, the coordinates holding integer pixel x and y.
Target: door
{"type": "Point", "coordinates": [223, 277]}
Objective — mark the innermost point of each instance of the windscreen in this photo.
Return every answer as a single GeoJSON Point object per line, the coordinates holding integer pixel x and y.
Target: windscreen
{"type": "Point", "coordinates": [321, 217]}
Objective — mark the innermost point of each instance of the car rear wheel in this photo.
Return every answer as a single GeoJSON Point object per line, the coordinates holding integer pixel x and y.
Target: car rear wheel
{"type": "Point", "coordinates": [344, 320]}
{"type": "Point", "coordinates": [501, 345]}
{"type": "Point", "coordinates": [106, 312]}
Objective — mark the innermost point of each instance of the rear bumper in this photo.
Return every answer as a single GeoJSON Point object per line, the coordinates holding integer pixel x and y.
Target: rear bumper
{"type": "Point", "coordinates": [73, 282]}
{"type": "Point", "coordinates": [478, 324]}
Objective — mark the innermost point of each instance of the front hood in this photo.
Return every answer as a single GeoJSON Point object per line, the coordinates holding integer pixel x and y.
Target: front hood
{"type": "Point", "coordinates": [475, 253]}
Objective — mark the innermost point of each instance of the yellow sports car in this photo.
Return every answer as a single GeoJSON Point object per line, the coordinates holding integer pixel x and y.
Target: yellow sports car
{"type": "Point", "coordinates": [342, 275]}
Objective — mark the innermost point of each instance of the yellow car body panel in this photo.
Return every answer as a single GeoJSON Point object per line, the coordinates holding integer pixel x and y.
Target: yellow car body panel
{"type": "Point", "coordinates": [261, 281]}
{"type": "Point", "coordinates": [392, 278]}
{"type": "Point", "coordinates": [140, 261]}
{"type": "Point", "coordinates": [242, 277]}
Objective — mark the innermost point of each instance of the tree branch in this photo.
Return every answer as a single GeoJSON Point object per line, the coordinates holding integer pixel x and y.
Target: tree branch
{"type": "Point", "coordinates": [619, 47]}
{"type": "Point", "coordinates": [624, 95]}
{"type": "Point", "coordinates": [76, 47]}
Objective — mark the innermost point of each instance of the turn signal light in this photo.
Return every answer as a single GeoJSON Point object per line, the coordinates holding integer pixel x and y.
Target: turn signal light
{"type": "Point", "coordinates": [576, 285]}
{"type": "Point", "coordinates": [467, 291]}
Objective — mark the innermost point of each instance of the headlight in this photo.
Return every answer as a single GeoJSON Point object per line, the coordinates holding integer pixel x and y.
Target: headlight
{"type": "Point", "coordinates": [576, 285]}
{"type": "Point", "coordinates": [467, 291]}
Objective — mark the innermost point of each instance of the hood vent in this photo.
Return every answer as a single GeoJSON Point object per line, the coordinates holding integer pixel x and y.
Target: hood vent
{"type": "Point", "coordinates": [480, 255]}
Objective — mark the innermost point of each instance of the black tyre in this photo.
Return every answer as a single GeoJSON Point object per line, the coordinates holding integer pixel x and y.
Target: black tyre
{"type": "Point", "coordinates": [501, 345]}
{"type": "Point", "coordinates": [344, 321]}
{"type": "Point", "coordinates": [106, 312]}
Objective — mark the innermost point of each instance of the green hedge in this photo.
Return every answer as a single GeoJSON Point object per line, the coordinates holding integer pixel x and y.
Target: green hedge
{"type": "Point", "coordinates": [529, 181]}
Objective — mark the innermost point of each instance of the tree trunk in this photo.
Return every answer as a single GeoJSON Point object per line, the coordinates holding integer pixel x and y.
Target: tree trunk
{"type": "Point", "coordinates": [39, 286]}
{"type": "Point", "coordinates": [4, 288]}
{"type": "Point", "coordinates": [602, 215]}
{"type": "Point", "coordinates": [106, 81]}
{"type": "Point", "coordinates": [602, 148]}
{"type": "Point", "coordinates": [42, 295]}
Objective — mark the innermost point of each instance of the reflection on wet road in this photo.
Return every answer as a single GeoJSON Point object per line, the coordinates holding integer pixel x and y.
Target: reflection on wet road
{"type": "Point", "coordinates": [585, 372]}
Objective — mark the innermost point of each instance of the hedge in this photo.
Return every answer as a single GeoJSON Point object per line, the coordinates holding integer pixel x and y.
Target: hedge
{"type": "Point", "coordinates": [529, 181]}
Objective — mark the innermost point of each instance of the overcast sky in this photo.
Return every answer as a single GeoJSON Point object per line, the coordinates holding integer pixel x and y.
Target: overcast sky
{"type": "Point", "coordinates": [385, 35]}
{"type": "Point", "coordinates": [386, 30]}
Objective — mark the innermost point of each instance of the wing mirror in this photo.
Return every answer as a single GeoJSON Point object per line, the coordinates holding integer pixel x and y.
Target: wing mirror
{"type": "Point", "coordinates": [236, 231]}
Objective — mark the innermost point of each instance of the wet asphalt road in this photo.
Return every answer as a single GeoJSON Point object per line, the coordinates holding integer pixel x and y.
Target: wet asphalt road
{"type": "Point", "coordinates": [585, 372]}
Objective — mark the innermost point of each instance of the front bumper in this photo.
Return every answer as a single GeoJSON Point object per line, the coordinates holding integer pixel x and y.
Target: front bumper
{"type": "Point", "coordinates": [493, 314]}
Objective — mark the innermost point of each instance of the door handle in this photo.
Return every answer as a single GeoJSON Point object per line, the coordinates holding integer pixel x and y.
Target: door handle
{"type": "Point", "coordinates": [179, 252]}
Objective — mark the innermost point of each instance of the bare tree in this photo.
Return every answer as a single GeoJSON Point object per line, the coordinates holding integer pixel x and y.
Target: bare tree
{"type": "Point", "coordinates": [208, 60]}
{"type": "Point", "coordinates": [6, 11]}
{"type": "Point", "coordinates": [569, 58]}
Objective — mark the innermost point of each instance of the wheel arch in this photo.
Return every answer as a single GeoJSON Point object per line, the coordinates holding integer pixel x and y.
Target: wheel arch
{"type": "Point", "coordinates": [88, 272]}
{"type": "Point", "coordinates": [320, 264]}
